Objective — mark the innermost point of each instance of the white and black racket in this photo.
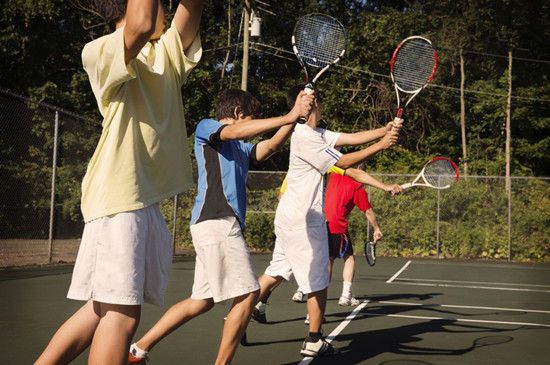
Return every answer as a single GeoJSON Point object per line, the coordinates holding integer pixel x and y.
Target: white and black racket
{"type": "Point", "coordinates": [319, 41]}
{"type": "Point", "coordinates": [370, 252]}
{"type": "Point", "coordinates": [413, 66]}
{"type": "Point", "coordinates": [439, 173]}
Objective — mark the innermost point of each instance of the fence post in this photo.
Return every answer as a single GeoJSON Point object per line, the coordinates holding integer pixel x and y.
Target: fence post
{"type": "Point", "coordinates": [437, 224]}
{"type": "Point", "coordinates": [52, 196]}
{"type": "Point", "coordinates": [509, 218]}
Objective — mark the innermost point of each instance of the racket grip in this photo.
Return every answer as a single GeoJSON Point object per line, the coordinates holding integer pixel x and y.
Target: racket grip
{"type": "Point", "coordinates": [406, 186]}
{"type": "Point", "coordinates": [397, 119]}
{"type": "Point", "coordinates": [308, 89]}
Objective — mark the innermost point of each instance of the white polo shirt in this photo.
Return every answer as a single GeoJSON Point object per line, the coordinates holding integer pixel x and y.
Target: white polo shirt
{"type": "Point", "coordinates": [312, 154]}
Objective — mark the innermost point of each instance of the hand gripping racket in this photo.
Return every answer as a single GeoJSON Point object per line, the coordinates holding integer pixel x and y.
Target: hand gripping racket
{"type": "Point", "coordinates": [413, 66]}
{"type": "Point", "coordinates": [439, 173]}
{"type": "Point", "coordinates": [370, 252]}
{"type": "Point", "coordinates": [319, 41]}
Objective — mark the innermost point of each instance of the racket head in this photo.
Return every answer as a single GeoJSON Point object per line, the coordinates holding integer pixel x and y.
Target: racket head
{"type": "Point", "coordinates": [440, 173]}
{"type": "Point", "coordinates": [318, 40]}
{"type": "Point", "coordinates": [370, 252]}
{"type": "Point", "coordinates": [413, 64]}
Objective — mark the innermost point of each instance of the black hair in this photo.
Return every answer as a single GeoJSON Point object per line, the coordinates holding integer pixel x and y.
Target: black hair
{"type": "Point", "coordinates": [228, 100]}
{"type": "Point", "coordinates": [112, 11]}
{"type": "Point", "coordinates": [292, 94]}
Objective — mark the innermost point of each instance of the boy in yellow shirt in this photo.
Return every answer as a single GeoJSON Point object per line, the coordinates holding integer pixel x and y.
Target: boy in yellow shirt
{"type": "Point", "coordinates": [136, 73]}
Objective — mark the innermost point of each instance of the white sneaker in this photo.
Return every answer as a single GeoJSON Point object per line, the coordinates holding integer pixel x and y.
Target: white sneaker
{"type": "Point", "coordinates": [319, 348]}
{"type": "Point", "coordinates": [347, 301]}
{"type": "Point", "coordinates": [298, 296]}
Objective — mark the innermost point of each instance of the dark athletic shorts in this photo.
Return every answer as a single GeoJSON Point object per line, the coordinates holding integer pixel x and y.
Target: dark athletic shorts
{"type": "Point", "coordinates": [339, 245]}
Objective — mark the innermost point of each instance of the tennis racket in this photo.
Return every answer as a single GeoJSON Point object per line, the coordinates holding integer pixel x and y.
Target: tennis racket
{"type": "Point", "coordinates": [319, 41]}
{"type": "Point", "coordinates": [439, 173]}
{"type": "Point", "coordinates": [370, 252]}
{"type": "Point", "coordinates": [413, 66]}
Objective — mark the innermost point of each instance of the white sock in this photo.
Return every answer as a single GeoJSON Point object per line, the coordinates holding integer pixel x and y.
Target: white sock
{"type": "Point", "coordinates": [346, 289]}
{"type": "Point", "coordinates": [137, 352]}
{"type": "Point", "coordinates": [260, 306]}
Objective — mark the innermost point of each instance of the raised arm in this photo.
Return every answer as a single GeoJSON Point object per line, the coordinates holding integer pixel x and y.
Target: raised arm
{"type": "Point", "coordinates": [187, 19]}
{"type": "Point", "coordinates": [139, 25]}
{"type": "Point", "coordinates": [362, 137]}
{"type": "Point", "coordinates": [247, 129]}
{"type": "Point", "coordinates": [268, 147]}
{"type": "Point", "coordinates": [353, 158]}
{"type": "Point", "coordinates": [364, 178]}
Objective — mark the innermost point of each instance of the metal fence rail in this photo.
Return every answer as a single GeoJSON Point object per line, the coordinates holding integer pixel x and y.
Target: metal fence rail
{"type": "Point", "coordinates": [45, 152]}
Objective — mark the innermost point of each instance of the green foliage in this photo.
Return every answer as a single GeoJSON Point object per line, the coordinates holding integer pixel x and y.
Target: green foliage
{"type": "Point", "coordinates": [41, 42]}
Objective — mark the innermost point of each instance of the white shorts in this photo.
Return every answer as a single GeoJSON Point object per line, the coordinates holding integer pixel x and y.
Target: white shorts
{"type": "Point", "coordinates": [124, 259]}
{"type": "Point", "coordinates": [302, 253]}
{"type": "Point", "coordinates": [223, 268]}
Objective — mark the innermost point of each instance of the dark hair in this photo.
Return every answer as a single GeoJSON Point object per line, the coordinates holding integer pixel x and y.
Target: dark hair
{"type": "Point", "coordinates": [112, 11]}
{"type": "Point", "coordinates": [292, 94]}
{"type": "Point", "coordinates": [228, 100]}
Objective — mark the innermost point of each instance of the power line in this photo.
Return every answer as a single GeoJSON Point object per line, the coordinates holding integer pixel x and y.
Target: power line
{"type": "Point", "coordinates": [358, 70]}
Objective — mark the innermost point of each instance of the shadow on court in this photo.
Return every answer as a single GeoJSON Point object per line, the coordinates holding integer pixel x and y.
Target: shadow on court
{"type": "Point", "coordinates": [434, 312]}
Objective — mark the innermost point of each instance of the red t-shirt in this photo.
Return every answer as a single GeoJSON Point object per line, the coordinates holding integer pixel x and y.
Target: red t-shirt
{"type": "Point", "coordinates": [342, 194]}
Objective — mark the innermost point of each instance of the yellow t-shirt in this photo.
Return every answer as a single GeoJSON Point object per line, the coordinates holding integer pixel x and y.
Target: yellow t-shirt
{"type": "Point", "coordinates": [143, 155]}
{"type": "Point", "coordinates": [333, 169]}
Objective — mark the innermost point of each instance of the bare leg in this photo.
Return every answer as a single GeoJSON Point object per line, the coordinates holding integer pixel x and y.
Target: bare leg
{"type": "Point", "coordinates": [330, 264]}
{"type": "Point", "coordinates": [267, 284]}
{"type": "Point", "coordinates": [316, 303]}
{"type": "Point", "coordinates": [73, 337]}
{"type": "Point", "coordinates": [176, 316]}
{"type": "Point", "coordinates": [114, 333]}
{"type": "Point", "coordinates": [107, 327]}
{"type": "Point", "coordinates": [235, 326]}
{"type": "Point", "coordinates": [349, 268]}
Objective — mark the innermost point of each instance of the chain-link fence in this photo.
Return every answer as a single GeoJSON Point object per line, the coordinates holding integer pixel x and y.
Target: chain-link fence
{"type": "Point", "coordinates": [45, 151]}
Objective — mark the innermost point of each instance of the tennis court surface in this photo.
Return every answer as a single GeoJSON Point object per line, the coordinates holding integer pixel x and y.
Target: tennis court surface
{"type": "Point", "coordinates": [418, 311]}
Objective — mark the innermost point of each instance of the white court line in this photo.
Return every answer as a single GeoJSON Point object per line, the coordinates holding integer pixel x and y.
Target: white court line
{"type": "Point", "coordinates": [462, 306]}
{"type": "Point", "coordinates": [403, 282]}
{"type": "Point", "coordinates": [399, 272]}
{"type": "Point", "coordinates": [337, 330]}
{"type": "Point", "coordinates": [458, 319]}
{"type": "Point", "coordinates": [480, 282]}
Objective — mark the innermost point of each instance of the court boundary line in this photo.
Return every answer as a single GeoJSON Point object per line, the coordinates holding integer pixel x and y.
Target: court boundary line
{"type": "Point", "coordinates": [457, 319]}
{"type": "Point", "coordinates": [481, 282]}
{"type": "Point", "coordinates": [461, 306]}
{"type": "Point", "coordinates": [399, 272]}
{"type": "Point", "coordinates": [403, 282]}
{"type": "Point", "coordinates": [306, 360]}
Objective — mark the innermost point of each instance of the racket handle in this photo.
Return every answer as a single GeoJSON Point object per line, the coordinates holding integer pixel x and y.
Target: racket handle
{"type": "Point", "coordinates": [406, 186]}
{"type": "Point", "coordinates": [397, 119]}
{"type": "Point", "coordinates": [308, 89]}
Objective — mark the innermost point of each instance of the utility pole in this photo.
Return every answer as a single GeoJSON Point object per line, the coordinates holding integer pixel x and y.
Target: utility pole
{"type": "Point", "coordinates": [463, 115]}
{"type": "Point", "coordinates": [508, 120]}
{"type": "Point", "coordinates": [246, 38]}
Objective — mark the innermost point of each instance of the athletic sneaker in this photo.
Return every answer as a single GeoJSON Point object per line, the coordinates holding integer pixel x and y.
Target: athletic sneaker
{"type": "Point", "coordinates": [346, 301]}
{"type": "Point", "coordinates": [298, 296]}
{"type": "Point", "coordinates": [132, 360]}
{"type": "Point", "coordinates": [259, 315]}
{"type": "Point", "coordinates": [319, 348]}
{"type": "Point", "coordinates": [307, 319]}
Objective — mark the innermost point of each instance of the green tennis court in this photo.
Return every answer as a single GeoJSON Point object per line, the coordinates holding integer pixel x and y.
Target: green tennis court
{"type": "Point", "coordinates": [412, 312]}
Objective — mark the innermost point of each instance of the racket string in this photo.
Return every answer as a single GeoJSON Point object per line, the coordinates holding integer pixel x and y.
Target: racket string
{"type": "Point", "coordinates": [319, 40]}
{"type": "Point", "coordinates": [440, 173]}
{"type": "Point", "coordinates": [413, 65]}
